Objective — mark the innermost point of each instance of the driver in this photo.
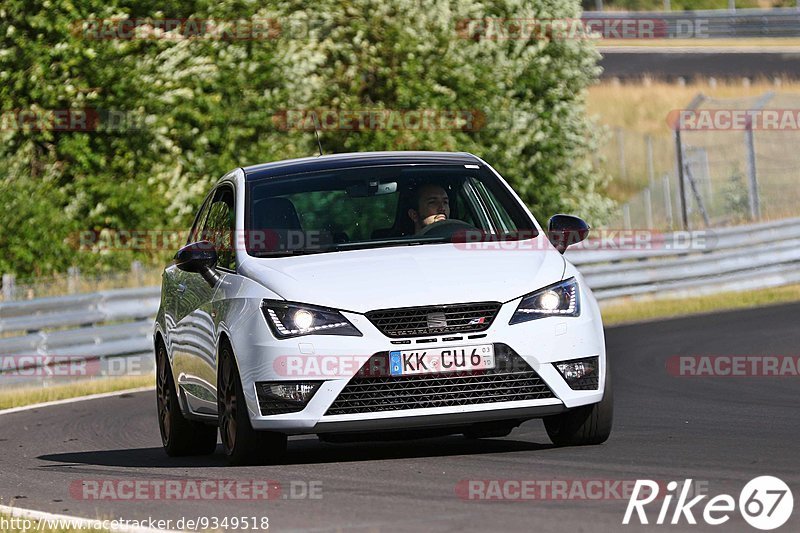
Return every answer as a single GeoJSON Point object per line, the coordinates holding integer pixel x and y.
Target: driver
{"type": "Point", "coordinates": [433, 205]}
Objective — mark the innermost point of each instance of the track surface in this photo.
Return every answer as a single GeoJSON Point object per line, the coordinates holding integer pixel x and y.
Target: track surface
{"type": "Point", "coordinates": [723, 431]}
{"type": "Point", "coordinates": [690, 64]}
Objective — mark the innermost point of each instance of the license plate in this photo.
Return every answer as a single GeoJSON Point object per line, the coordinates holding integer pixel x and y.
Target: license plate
{"type": "Point", "coordinates": [439, 360]}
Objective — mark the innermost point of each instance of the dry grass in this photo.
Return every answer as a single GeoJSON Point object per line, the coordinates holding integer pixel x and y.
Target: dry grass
{"type": "Point", "coordinates": [640, 109]}
{"type": "Point", "coordinates": [624, 312]}
{"type": "Point", "coordinates": [27, 395]}
{"type": "Point", "coordinates": [643, 107]}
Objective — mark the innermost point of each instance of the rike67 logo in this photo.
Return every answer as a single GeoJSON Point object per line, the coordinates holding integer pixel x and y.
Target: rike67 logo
{"type": "Point", "coordinates": [765, 503]}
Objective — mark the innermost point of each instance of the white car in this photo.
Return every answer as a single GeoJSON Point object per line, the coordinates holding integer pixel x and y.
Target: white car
{"type": "Point", "coordinates": [375, 295]}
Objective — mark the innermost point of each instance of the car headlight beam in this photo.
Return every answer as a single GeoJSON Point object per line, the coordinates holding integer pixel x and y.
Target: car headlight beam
{"type": "Point", "coordinates": [288, 320]}
{"type": "Point", "coordinates": [560, 299]}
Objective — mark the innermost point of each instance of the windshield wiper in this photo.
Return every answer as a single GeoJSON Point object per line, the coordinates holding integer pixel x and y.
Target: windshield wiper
{"type": "Point", "coordinates": [287, 253]}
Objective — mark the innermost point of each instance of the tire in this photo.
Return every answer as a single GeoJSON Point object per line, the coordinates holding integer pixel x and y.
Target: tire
{"type": "Point", "coordinates": [585, 425]}
{"type": "Point", "coordinates": [242, 444]}
{"type": "Point", "coordinates": [179, 436]}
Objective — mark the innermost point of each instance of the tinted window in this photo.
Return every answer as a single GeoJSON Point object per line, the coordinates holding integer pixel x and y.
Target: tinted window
{"type": "Point", "coordinates": [219, 226]}
{"type": "Point", "coordinates": [372, 206]}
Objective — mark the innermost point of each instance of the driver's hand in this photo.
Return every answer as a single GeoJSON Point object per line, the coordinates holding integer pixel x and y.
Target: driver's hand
{"type": "Point", "coordinates": [433, 218]}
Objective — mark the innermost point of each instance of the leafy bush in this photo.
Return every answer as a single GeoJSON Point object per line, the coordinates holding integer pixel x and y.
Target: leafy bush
{"type": "Point", "coordinates": [196, 108]}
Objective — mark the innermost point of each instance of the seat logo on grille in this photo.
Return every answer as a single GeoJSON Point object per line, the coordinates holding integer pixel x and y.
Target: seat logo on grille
{"type": "Point", "coordinates": [437, 320]}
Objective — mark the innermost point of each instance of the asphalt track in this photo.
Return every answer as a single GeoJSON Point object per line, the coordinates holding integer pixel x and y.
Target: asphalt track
{"type": "Point", "coordinates": [670, 64]}
{"type": "Point", "coordinates": [721, 431]}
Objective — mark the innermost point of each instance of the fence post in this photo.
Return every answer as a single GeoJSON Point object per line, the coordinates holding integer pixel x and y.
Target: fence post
{"type": "Point", "coordinates": [667, 200]}
{"type": "Point", "coordinates": [681, 182]}
{"type": "Point", "coordinates": [650, 177]}
{"type": "Point", "coordinates": [73, 277]}
{"type": "Point", "coordinates": [648, 209]}
{"type": "Point", "coordinates": [626, 216]}
{"type": "Point", "coordinates": [696, 101]}
{"type": "Point", "coordinates": [750, 149]}
{"type": "Point", "coordinates": [749, 144]}
{"type": "Point", "coordinates": [9, 287]}
{"type": "Point", "coordinates": [621, 146]}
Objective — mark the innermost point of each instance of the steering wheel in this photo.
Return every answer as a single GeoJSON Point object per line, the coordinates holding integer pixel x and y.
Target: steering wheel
{"type": "Point", "coordinates": [445, 228]}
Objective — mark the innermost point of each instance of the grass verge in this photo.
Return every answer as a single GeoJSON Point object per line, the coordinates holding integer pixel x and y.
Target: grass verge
{"type": "Point", "coordinates": [17, 397]}
{"type": "Point", "coordinates": [632, 311]}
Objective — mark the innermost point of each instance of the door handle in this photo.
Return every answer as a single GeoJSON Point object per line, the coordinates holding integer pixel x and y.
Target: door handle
{"type": "Point", "coordinates": [181, 288]}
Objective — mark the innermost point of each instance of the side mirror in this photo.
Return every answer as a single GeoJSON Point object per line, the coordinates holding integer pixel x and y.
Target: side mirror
{"type": "Point", "coordinates": [200, 258]}
{"type": "Point", "coordinates": [566, 230]}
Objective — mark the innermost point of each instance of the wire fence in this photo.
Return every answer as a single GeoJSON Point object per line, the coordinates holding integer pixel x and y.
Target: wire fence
{"type": "Point", "coordinates": [727, 162]}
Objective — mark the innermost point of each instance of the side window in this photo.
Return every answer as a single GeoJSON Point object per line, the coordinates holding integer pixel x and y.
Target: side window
{"type": "Point", "coordinates": [220, 225]}
{"type": "Point", "coordinates": [500, 216]}
{"type": "Point", "coordinates": [199, 221]}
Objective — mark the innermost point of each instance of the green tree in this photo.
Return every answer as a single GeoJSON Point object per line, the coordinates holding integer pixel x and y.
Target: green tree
{"type": "Point", "coordinates": [186, 110]}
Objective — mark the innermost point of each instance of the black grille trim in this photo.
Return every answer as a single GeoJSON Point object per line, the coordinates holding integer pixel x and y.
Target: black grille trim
{"type": "Point", "coordinates": [372, 390]}
{"type": "Point", "coordinates": [413, 321]}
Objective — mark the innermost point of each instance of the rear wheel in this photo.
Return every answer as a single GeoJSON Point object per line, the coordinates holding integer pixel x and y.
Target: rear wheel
{"type": "Point", "coordinates": [242, 444]}
{"type": "Point", "coordinates": [588, 424]}
{"type": "Point", "coordinates": [179, 436]}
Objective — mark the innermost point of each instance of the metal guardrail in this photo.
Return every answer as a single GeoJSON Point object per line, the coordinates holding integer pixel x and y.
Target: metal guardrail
{"type": "Point", "coordinates": [119, 322]}
{"type": "Point", "coordinates": [714, 24]}
{"type": "Point", "coordinates": [729, 259]}
{"type": "Point", "coordinates": [85, 327]}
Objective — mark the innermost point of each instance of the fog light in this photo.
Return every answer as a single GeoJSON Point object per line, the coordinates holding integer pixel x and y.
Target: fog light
{"type": "Point", "coordinates": [294, 392]}
{"type": "Point", "coordinates": [580, 374]}
{"type": "Point", "coordinates": [280, 397]}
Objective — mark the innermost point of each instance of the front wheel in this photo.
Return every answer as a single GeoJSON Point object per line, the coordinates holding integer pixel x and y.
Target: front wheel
{"type": "Point", "coordinates": [587, 424]}
{"type": "Point", "coordinates": [242, 444]}
{"type": "Point", "coordinates": [179, 436]}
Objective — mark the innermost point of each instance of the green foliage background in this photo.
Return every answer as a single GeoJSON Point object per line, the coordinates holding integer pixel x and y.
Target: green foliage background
{"type": "Point", "coordinates": [204, 106]}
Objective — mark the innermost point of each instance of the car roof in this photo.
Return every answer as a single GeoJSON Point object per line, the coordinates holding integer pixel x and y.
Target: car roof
{"type": "Point", "coordinates": [356, 159]}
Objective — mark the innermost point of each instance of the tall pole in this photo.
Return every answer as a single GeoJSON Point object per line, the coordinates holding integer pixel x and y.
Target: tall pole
{"type": "Point", "coordinates": [681, 181]}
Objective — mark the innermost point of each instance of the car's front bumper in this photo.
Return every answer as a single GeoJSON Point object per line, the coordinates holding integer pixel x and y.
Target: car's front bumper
{"type": "Point", "coordinates": [261, 358]}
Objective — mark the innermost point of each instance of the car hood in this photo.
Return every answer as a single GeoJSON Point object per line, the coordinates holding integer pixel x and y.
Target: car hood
{"type": "Point", "coordinates": [406, 276]}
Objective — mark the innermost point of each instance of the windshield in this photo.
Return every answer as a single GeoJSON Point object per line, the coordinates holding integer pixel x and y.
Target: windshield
{"type": "Point", "coordinates": [367, 207]}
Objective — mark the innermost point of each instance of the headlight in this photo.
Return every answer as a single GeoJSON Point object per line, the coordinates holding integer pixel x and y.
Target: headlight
{"type": "Point", "coordinates": [293, 320]}
{"type": "Point", "coordinates": [560, 299]}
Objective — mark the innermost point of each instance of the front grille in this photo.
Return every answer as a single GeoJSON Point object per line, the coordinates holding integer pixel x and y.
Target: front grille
{"type": "Point", "coordinates": [372, 390]}
{"type": "Point", "coordinates": [588, 383]}
{"type": "Point", "coordinates": [434, 319]}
